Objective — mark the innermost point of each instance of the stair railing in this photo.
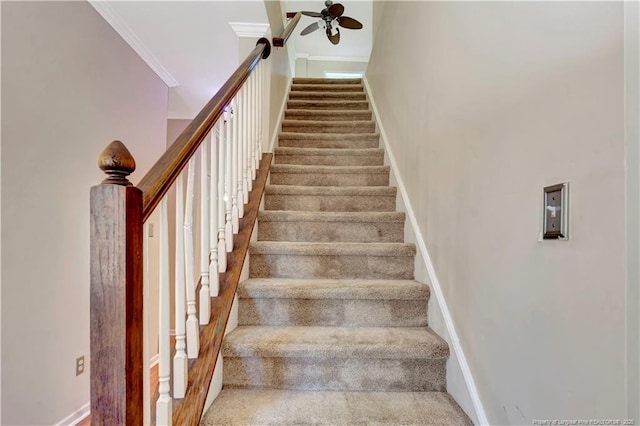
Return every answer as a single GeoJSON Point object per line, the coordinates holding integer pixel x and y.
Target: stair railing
{"type": "Point", "coordinates": [220, 152]}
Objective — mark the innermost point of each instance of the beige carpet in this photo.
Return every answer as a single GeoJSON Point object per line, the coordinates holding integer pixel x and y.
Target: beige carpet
{"type": "Point", "coordinates": [332, 326]}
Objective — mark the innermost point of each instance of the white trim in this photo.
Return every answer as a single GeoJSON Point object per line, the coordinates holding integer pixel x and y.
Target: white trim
{"type": "Point", "coordinates": [249, 29]}
{"type": "Point", "coordinates": [435, 284]}
{"type": "Point", "coordinates": [332, 58]}
{"type": "Point", "coordinates": [154, 360]}
{"type": "Point", "coordinates": [276, 130]}
{"type": "Point", "coordinates": [77, 416]}
{"type": "Point", "coordinates": [129, 36]}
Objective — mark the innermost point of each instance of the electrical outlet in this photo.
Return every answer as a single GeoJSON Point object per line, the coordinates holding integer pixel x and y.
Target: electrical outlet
{"type": "Point", "coordinates": [79, 365]}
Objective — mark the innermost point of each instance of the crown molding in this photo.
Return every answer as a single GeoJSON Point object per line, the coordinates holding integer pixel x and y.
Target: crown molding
{"type": "Point", "coordinates": [249, 29]}
{"type": "Point", "coordinates": [332, 58]}
{"type": "Point", "coordinates": [130, 37]}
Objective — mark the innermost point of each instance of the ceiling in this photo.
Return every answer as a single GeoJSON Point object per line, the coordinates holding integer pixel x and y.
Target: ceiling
{"type": "Point", "coordinates": [353, 43]}
{"type": "Point", "coordinates": [192, 46]}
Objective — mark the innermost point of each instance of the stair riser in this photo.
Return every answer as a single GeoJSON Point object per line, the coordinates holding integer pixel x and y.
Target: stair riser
{"type": "Point", "coordinates": [322, 373]}
{"type": "Point", "coordinates": [334, 267]}
{"type": "Point", "coordinates": [328, 106]}
{"type": "Point", "coordinates": [328, 116]}
{"type": "Point", "coordinates": [337, 81]}
{"type": "Point", "coordinates": [325, 179]}
{"type": "Point", "coordinates": [343, 96]}
{"type": "Point", "coordinates": [333, 312]}
{"type": "Point", "coordinates": [321, 232]}
{"type": "Point", "coordinates": [318, 143]}
{"type": "Point", "coordinates": [330, 203]}
{"type": "Point", "coordinates": [331, 160]}
{"type": "Point", "coordinates": [345, 127]}
{"type": "Point", "coordinates": [327, 88]}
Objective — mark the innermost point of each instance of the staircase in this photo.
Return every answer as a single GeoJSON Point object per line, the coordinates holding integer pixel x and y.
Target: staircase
{"type": "Point", "coordinates": [332, 326]}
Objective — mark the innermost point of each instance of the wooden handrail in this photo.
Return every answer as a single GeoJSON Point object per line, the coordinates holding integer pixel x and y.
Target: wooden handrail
{"type": "Point", "coordinates": [155, 184]}
{"type": "Point", "coordinates": [282, 40]}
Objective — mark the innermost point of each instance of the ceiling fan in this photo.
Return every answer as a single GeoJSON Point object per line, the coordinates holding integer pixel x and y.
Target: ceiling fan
{"type": "Point", "coordinates": [331, 18]}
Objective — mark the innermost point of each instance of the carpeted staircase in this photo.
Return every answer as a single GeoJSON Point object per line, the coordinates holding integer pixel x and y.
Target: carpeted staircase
{"type": "Point", "coordinates": [332, 326]}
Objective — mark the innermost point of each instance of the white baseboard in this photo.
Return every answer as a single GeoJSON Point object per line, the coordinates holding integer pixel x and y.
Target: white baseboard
{"type": "Point", "coordinates": [431, 272]}
{"type": "Point", "coordinates": [276, 130]}
{"type": "Point", "coordinates": [76, 417]}
{"type": "Point", "coordinates": [82, 413]}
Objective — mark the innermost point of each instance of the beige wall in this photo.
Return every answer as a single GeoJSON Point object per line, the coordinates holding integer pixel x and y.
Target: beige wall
{"type": "Point", "coordinates": [500, 100]}
{"type": "Point", "coordinates": [280, 70]}
{"type": "Point", "coordinates": [70, 86]}
{"type": "Point", "coordinates": [317, 68]}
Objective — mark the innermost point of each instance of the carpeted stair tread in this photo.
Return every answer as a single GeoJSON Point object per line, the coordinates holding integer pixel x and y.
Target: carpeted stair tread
{"type": "Point", "coordinates": [330, 156]}
{"type": "Point", "coordinates": [319, 136]}
{"type": "Point", "coordinates": [354, 96]}
{"type": "Point", "coordinates": [339, 302]}
{"type": "Point", "coordinates": [338, 81]}
{"type": "Point", "coordinates": [334, 260]}
{"type": "Point", "coordinates": [348, 170]}
{"type": "Point", "coordinates": [335, 342]}
{"type": "Point", "coordinates": [352, 191]}
{"type": "Point", "coordinates": [302, 87]}
{"type": "Point", "coordinates": [308, 175]}
{"type": "Point", "coordinates": [327, 115]}
{"type": "Point", "coordinates": [282, 288]}
{"type": "Point", "coordinates": [327, 226]}
{"type": "Point", "coordinates": [332, 249]}
{"type": "Point", "coordinates": [321, 104]}
{"type": "Point", "coordinates": [271, 407]}
{"type": "Point", "coordinates": [330, 140]}
{"type": "Point", "coordinates": [314, 126]}
{"type": "Point", "coordinates": [349, 217]}
{"type": "Point", "coordinates": [330, 198]}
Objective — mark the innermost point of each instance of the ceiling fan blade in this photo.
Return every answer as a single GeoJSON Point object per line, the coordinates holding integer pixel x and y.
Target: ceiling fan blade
{"type": "Point", "coordinates": [336, 9]}
{"type": "Point", "coordinates": [335, 39]}
{"type": "Point", "coordinates": [350, 23]}
{"type": "Point", "coordinates": [314, 14]}
{"type": "Point", "coordinates": [311, 28]}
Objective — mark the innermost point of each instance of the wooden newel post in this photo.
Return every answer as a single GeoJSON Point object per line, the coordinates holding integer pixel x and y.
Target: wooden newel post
{"type": "Point", "coordinates": [116, 293]}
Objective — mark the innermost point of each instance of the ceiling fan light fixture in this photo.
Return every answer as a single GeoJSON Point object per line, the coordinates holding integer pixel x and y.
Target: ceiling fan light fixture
{"type": "Point", "coordinates": [332, 13]}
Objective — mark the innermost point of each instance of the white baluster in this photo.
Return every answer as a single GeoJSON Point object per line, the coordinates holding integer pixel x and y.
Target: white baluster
{"type": "Point", "coordinates": [234, 167]}
{"type": "Point", "coordinates": [245, 141]}
{"type": "Point", "coordinates": [180, 357]}
{"type": "Point", "coordinates": [228, 171]}
{"type": "Point", "coordinates": [214, 278]}
{"type": "Point", "coordinates": [239, 118]}
{"type": "Point", "coordinates": [193, 341]}
{"type": "Point", "coordinates": [204, 296]}
{"type": "Point", "coordinates": [254, 123]}
{"type": "Point", "coordinates": [163, 404]}
{"type": "Point", "coordinates": [258, 111]}
{"type": "Point", "coordinates": [222, 246]}
{"type": "Point", "coordinates": [261, 69]}
{"type": "Point", "coordinates": [146, 379]}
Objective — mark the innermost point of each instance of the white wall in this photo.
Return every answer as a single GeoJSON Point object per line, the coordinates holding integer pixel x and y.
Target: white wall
{"type": "Point", "coordinates": [484, 105]}
{"type": "Point", "coordinates": [71, 85]}
{"type": "Point", "coordinates": [310, 67]}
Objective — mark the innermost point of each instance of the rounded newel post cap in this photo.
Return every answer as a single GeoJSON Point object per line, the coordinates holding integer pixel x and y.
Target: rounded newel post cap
{"type": "Point", "coordinates": [118, 163]}
{"type": "Point", "coordinates": [267, 47]}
